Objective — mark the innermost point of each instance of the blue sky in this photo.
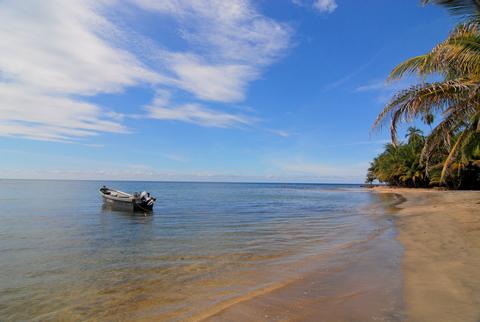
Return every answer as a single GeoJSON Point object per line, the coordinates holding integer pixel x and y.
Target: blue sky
{"type": "Point", "coordinates": [238, 90]}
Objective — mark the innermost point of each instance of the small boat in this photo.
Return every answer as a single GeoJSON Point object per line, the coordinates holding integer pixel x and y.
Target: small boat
{"type": "Point", "coordinates": [138, 201]}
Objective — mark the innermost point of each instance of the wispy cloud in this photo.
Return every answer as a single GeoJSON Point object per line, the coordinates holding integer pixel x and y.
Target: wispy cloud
{"type": "Point", "coordinates": [44, 116]}
{"type": "Point", "coordinates": [281, 133]}
{"type": "Point", "coordinates": [355, 73]}
{"type": "Point", "coordinates": [51, 51]}
{"type": "Point", "coordinates": [384, 90]}
{"type": "Point", "coordinates": [138, 172]}
{"type": "Point", "coordinates": [287, 169]}
{"type": "Point", "coordinates": [372, 86]}
{"type": "Point", "coordinates": [226, 31]}
{"type": "Point", "coordinates": [197, 114]}
{"type": "Point", "coordinates": [323, 171]}
{"type": "Point", "coordinates": [55, 53]}
{"type": "Point", "coordinates": [162, 108]}
{"type": "Point", "coordinates": [221, 82]}
{"type": "Point", "coordinates": [325, 5]}
{"type": "Point", "coordinates": [230, 42]}
{"type": "Point", "coordinates": [322, 6]}
{"type": "Point", "coordinates": [356, 143]}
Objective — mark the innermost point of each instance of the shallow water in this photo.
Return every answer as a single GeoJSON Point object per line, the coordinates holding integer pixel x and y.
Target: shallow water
{"type": "Point", "coordinates": [64, 256]}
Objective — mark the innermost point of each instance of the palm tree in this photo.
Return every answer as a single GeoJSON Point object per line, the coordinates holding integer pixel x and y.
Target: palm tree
{"type": "Point", "coordinates": [455, 98]}
{"type": "Point", "coordinates": [400, 164]}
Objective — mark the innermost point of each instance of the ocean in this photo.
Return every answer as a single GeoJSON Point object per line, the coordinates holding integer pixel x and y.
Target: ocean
{"type": "Point", "coordinates": [66, 256]}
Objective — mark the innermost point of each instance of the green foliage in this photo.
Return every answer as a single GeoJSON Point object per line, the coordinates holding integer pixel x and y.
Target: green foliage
{"type": "Point", "coordinates": [450, 151]}
{"type": "Point", "coordinates": [401, 165]}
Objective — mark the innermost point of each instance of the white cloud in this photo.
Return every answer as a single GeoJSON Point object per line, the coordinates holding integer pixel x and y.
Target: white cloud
{"type": "Point", "coordinates": [55, 53]}
{"type": "Point", "coordinates": [56, 46]}
{"type": "Point", "coordinates": [197, 114]}
{"type": "Point", "coordinates": [33, 114]}
{"type": "Point", "coordinates": [328, 6]}
{"type": "Point", "coordinates": [162, 109]}
{"type": "Point", "coordinates": [281, 133]}
{"type": "Point", "coordinates": [226, 30]}
{"type": "Point", "coordinates": [373, 86]}
{"type": "Point", "coordinates": [229, 44]}
{"type": "Point", "coordinates": [225, 83]}
{"type": "Point", "coordinates": [323, 6]}
{"type": "Point", "coordinates": [51, 51]}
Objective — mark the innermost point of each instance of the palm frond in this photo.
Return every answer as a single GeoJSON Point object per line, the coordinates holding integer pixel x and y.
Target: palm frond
{"type": "Point", "coordinates": [468, 9]}
{"type": "Point", "coordinates": [457, 55]}
{"type": "Point", "coordinates": [423, 99]}
{"type": "Point", "coordinates": [456, 117]}
{"type": "Point", "coordinates": [461, 141]}
{"type": "Point", "coordinates": [463, 118]}
{"type": "Point", "coordinates": [460, 54]}
{"type": "Point", "coordinates": [412, 65]}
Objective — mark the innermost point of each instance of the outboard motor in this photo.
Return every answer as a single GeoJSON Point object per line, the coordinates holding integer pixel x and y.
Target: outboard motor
{"type": "Point", "coordinates": [150, 200]}
{"type": "Point", "coordinates": [146, 200]}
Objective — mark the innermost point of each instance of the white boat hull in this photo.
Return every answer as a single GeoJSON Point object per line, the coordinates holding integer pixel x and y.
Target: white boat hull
{"type": "Point", "coordinates": [126, 200]}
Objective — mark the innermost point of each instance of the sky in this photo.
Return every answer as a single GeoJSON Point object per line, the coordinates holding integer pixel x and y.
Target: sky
{"type": "Point", "coordinates": [192, 90]}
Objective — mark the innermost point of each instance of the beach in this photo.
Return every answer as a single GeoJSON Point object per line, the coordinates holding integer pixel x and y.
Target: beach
{"type": "Point", "coordinates": [364, 283]}
{"type": "Point", "coordinates": [440, 233]}
{"type": "Point", "coordinates": [239, 252]}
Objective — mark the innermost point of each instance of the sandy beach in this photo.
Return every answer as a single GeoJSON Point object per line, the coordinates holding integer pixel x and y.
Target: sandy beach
{"type": "Point", "coordinates": [440, 233]}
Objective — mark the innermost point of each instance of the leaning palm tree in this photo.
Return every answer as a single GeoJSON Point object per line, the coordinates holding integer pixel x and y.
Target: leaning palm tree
{"type": "Point", "coordinates": [455, 97]}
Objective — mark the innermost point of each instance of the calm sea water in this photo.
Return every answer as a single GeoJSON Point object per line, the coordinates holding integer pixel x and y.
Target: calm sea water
{"type": "Point", "coordinates": [64, 256]}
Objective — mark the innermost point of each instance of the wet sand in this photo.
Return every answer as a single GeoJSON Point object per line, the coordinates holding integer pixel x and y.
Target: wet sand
{"type": "Point", "coordinates": [358, 291]}
{"type": "Point", "coordinates": [362, 282]}
{"type": "Point", "coordinates": [435, 279]}
{"type": "Point", "coordinates": [440, 232]}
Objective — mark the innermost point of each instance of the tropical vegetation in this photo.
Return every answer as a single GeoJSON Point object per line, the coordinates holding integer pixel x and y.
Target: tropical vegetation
{"type": "Point", "coordinates": [450, 154]}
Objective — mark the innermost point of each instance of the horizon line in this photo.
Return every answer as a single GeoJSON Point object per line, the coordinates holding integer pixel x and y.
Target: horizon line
{"type": "Point", "coordinates": [182, 181]}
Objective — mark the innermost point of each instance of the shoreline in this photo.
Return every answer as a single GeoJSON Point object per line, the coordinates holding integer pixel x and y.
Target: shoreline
{"type": "Point", "coordinates": [440, 233]}
{"type": "Point", "coordinates": [359, 283]}
{"type": "Point", "coordinates": [368, 254]}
